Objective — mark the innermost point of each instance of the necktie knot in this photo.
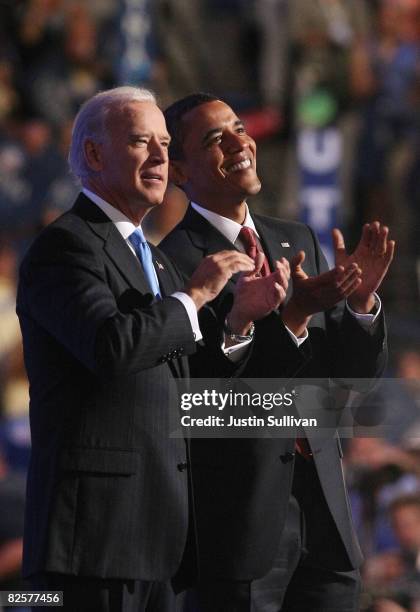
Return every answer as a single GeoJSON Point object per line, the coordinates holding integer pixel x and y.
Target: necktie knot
{"type": "Point", "coordinates": [137, 237]}
{"type": "Point", "coordinates": [247, 236]}
{"type": "Point", "coordinates": [249, 240]}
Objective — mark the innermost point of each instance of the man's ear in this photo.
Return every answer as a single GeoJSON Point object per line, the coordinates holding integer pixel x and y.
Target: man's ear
{"type": "Point", "coordinates": [177, 174]}
{"type": "Point", "coordinates": [92, 152]}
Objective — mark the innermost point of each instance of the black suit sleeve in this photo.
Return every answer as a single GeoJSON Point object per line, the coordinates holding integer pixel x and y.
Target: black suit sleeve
{"type": "Point", "coordinates": [65, 289]}
{"type": "Point", "coordinates": [355, 352]}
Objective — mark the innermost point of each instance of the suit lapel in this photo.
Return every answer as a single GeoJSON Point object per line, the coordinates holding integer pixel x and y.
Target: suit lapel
{"type": "Point", "coordinates": [276, 243]}
{"type": "Point", "coordinates": [126, 262]}
{"type": "Point", "coordinates": [165, 278]}
{"type": "Point", "coordinates": [114, 244]}
{"type": "Point", "coordinates": [206, 237]}
{"type": "Point", "coordinates": [203, 234]}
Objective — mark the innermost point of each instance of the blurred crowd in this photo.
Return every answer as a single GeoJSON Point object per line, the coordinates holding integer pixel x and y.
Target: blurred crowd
{"type": "Point", "coordinates": [284, 65]}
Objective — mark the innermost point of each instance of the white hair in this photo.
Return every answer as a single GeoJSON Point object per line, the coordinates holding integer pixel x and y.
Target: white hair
{"type": "Point", "coordinates": [90, 121]}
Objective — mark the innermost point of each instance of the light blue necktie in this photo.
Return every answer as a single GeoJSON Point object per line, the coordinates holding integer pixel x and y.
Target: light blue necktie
{"type": "Point", "coordinates": [144, 253]}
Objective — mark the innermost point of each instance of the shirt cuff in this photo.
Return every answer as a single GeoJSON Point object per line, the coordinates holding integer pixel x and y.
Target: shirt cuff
{"type": "Point", "coordinates": [236, 352]}
{"type": "Point", "coordinates": [296, 340]}
{"type": "Point", "coordinates": [367, 320]}
{"type": "Point", "coordinates": [191, 309]}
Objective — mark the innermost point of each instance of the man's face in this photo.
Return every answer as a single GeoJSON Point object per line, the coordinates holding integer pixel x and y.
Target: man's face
{"type": "Point", "coordinates": [219, 164]}
{"type": "Point", "coordinates": [133, 159]}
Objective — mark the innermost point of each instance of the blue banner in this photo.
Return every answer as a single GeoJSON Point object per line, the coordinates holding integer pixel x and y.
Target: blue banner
{"type": "Point", "coordinates": [136, 40]}
{"type": "Point", "coordinates": [319, 154]}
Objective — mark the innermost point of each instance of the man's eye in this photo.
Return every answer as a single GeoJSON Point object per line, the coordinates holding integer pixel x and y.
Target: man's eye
{"type": "Point", "coordinates": [165, 144]}
{"type": "Point", "coordinates": [215, 140]}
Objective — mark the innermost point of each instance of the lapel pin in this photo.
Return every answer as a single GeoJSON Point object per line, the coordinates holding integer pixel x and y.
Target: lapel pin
{"type": "Point", "coordinates": [159, 265]}
{"type": "Point", "coordinates": [285, 244]}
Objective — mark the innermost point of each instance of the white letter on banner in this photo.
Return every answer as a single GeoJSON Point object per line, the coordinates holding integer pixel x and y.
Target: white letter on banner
{"type": "Point", "coordinates": [319, 151]}
{"type": "Point", "coordinates": [319, 201]}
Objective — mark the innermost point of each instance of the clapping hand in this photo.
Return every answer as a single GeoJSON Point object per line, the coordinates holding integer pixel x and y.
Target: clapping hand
{"type": "Point", "coordinates": [257, 296]}
{"type": "Point", "coordinates": [373, 255]}
{"type": "Point", "coordinates": [313, 294]}
{"type": "Point", "coordinates": [214, 272]}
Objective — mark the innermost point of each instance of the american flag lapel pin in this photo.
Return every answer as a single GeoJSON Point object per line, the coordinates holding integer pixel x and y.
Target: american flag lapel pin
{"type": "Point", "coordinates": [285, 244]}
{"type": "Point", "coordinates": [159, 265]}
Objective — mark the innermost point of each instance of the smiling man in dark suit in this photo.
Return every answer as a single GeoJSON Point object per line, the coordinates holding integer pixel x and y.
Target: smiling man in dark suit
{"type": "Point", "coordinates": [107, 323]}
{"type": "Point", "coordinates": [273, 525]}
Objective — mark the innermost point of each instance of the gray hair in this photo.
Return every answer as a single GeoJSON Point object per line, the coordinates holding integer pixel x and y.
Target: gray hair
{"type": "Point", "coordinates": [90, 121]}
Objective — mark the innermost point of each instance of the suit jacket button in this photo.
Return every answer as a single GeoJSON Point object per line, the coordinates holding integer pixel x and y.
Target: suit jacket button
{"type": "Point", "coordinates": [287, 457]}
{"type": "Point", "coordinates": [182, 466]}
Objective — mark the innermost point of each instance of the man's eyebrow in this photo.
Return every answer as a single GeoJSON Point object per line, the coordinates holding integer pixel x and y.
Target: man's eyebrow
{"type": "Point", "coordinates": [214, 131]}
{"type": "Point", "coordinates": [207, 136]}
{"type": "Point", "coordinates": [146, 134]}
{"type": "Point", "coordinates": [135, 135]}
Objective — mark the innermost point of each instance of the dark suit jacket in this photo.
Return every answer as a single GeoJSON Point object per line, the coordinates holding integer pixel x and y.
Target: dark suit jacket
{"type": "Point", "coordinates": [241, 487]}
{"type": "Point", "coordinates": [107, 486]}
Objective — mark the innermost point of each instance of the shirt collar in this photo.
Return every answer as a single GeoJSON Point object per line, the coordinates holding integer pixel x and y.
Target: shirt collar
{"type": "Point", "coordinates": [229, 228]}
{"type": "Point", "coordinates": [121, 222]}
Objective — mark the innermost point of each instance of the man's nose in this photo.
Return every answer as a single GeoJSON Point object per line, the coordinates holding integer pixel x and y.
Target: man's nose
{"type": "Point", "coordinates": [157, 151]}
{"type": "Point", "coordinates": [235, 142]}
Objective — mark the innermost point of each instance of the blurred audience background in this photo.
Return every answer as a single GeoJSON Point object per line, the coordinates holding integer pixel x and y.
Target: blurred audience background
{"type": "Point", "coordinates": [330, 89]}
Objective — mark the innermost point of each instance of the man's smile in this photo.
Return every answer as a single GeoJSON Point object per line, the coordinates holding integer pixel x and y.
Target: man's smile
{"type": "Point", "coordinates": [241, 165]}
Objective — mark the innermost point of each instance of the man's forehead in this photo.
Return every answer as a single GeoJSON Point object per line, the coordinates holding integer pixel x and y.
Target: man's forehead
{"type": "Point", "coordinates": [138, 113]}
{"type": "Point", "coordinates": [210, 115]}
{"type": "Point", "coordinates": [136, 109]}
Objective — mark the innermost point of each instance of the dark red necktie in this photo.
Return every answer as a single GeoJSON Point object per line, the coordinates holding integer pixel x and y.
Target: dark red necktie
{"type": "Point", "coordinates": [249, 240]}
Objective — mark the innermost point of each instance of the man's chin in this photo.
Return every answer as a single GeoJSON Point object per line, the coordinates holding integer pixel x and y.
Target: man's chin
{"type": "Point", "coordinates": [151, 200]}
{"type": "Point", "coordinates": [157, 202]}
{"type": "Point", "coordinates": [252, 188]}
